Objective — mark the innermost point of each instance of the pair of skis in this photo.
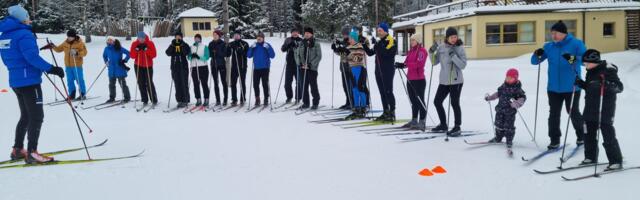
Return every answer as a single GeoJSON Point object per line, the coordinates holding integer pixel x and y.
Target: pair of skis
{"type": "Point", "coordinates": [439, 135]}
{"type": "Point", "coordinates": [7, 163]}
{"type": "Point", "coordinates": [64, 101]}
{"type": "Point", "coordinates": [146, 108]}
{"type": "Point", "coordinates": [509, 150]}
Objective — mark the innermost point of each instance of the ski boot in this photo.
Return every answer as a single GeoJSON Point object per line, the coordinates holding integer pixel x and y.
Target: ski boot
{"type": "Point", "coordinates": [288, 101]}
{"type": "Point", "coordinates": [257, 101]}
{"type": "Point", "coordinates": [36, 158]}
{"type": "Point", "coordinates": [345, 107]}
{"type": "Point", "coordinates": [587, 161]}
{"type": "Point", "coordinates": [382, 117]}
{"type": "Point", "coordinates": [410, 124]}
{"type": "Point", "coordinates": [110, 101]}
{"type": "Point", "coordinates": [314, 107]}
{"type": "Point", "coordinates": [234, 103]}
{"type": "Point", "coordinates": [614, 166]}
{"type": "Point", "coordinates": [554, 145]}
{"type": "Point", "coordinates": [454, 132]}
{"type": "Point", "coordinates": [198, 102]}
{"type": "Point", "coordinates": [440, 128]}
{"type": "Point", "coordinates": [81, 97]}
{"type": "Point", "coordinates": [17, 154]}
{"type": "Point", "coordinates": [206, 103]}
{"type": "Point", "coordinates": [304, 106]}
{"type": "Point", "coordinates": [421, 125]}
{"type": "Point", "coordinates": [579, 142]}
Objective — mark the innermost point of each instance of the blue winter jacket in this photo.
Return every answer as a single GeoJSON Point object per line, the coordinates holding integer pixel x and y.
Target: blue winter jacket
{"type": "Point", "coordinates": [262, 53]}
{"type": "Point", "coordinates": [19, 53]}
{"type": "Point", "coordinates": [561, 75]}
{"type": "Point", "coordinates": [113, 58]}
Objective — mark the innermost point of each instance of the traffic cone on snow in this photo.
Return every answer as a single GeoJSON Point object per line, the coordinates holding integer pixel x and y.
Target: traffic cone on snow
{"type": "Point", "coordinates": [4, 91]}
{"type": "Point", "coordinates": [439, 170]}
{"type": "Point", "coordinates": [425, 172]}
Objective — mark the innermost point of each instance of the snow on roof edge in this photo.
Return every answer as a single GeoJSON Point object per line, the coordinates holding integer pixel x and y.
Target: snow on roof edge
{"type": "Point", "coordinates": [196, 12]}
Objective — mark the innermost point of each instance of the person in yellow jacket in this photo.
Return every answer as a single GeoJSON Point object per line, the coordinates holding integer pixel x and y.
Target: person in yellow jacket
{"type": "Point", "coordinates": [74, 52]}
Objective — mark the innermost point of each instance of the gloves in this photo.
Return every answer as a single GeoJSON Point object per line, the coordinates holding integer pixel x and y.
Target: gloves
{"type": "Point", "coordinates": [266, 45]}
{"type": "Point", "coordinates": [451, 52]}
{"type": "Point", "coordinates": [570, 58]}
{"type": "Point", "coordinates": [373, 40]}
{"type": "Point", "coordinates": [123, 62]}
{"type": "Point", "coordinates": [579, 82]}
{"type": "Point", "coordinates": [612, 87]}
{"type": "Point", "coordinates": [486, 97]}
{"type": "Point", "coordinates": [195, 55]}
{"type": "Point", "coordinates": [141, 47]}
{"type": "Point", "coordinates": [433, 48]}
{"type": "Point", "coordinates": [58, 71]}
{"type": "Point", "coordinates": [333, 47]}
{"type": "Point", "coordinates": [539, 52]}
{"type": "Point", "coordinates": [48, 46]}
{"type": "Point", "coordinates": [516, 103]}
{"type": "Point", "coordinates": [73, 52]}
{"type": "Point", "coordinates": [400, 65]}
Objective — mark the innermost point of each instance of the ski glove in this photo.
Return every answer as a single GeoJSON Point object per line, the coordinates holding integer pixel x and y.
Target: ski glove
{"type": "Point", "coordinates": [539, 52]}
{"type": "Point", "coordinates": [492, 97]}
{"type": "Point", "coordinates": [266, 45]}
{"type": "Point", "coordinates": [373, 40]}
{"type": "Point", "coordinates": [579, 82]}
{"type": "Point", "coordinates": [433, 48]}
{"type": "Point", "coordinates": [570, 58]}
{"type": "Point", "coordinates": [400, 65]}
{"type": "Point", "coordinates": [73, 52]}
{"type": "Point", "coordinates": [48, 46]}
{"type": "Point", "coordinates": [141, 47]}
{"type": "Point", "coordinates": [612, 87]}
{"type": "Point", "coordinates": [124, 65]}
{"type": "Point", "coordinates": [195, 55]}
{"type": "Point", "coordinates": [517, 103]}
{"type": "Point", "coordinates": [55, 70]}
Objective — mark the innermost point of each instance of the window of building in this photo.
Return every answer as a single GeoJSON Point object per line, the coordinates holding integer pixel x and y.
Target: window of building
{"type": "Point", "coordinates": [510, 33]}
{"type": "Point", "coordinates": [608, 29]}
{"type": "Point", "coordinates": [465, 34]}
{"type": "Point", "coordinates": [201, 26]}
{"type": "Point", "coordinates": [571, 27]}
{"type": "Point", "coordinates": [438, 35]}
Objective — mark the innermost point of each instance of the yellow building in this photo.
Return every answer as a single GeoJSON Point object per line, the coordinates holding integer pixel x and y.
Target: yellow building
{"type": "Point", "coordinates": [499, 30]}
{"type": "Point", "coordinates": [197, 20]}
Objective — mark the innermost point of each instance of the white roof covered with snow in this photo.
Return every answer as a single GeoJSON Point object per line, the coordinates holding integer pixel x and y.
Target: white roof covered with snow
{"type": "Point", "coordinates": [567, 7]}
{"type": "Point", "coordinates": [196, 12]}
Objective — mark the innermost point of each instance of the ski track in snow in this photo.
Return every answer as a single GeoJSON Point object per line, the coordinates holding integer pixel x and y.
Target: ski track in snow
{"type": "Point", "coordinates": [281, 156]}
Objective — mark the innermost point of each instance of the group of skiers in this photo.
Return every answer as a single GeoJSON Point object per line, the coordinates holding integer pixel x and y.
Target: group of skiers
{"type": "Point", "coordinates": [565, 54]}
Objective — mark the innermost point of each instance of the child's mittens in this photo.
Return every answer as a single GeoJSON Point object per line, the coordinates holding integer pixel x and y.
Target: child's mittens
{"type": "Point", "coordinates": [491, 97]}
{"type": "Point", "coordinates": [517, 103]}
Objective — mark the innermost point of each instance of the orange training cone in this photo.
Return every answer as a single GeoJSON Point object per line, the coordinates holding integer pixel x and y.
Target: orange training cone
{"type": "Point", "coordinates": [426, 172]}
{"type": "Point", "coordinates": [4, 90]}
{"type": "Point", "coordinates": [439, 170]}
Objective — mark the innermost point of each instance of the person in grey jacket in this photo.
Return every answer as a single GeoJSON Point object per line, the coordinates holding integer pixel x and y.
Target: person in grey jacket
{"type": "Point", "coordinates": [308, 57]}
{"type": "Point", "coordinates": [452, 59]}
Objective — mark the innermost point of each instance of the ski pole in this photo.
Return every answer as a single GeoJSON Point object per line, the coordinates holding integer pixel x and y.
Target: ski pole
{"type": "Point", "coordinates": [304, 79]}
{"type": "Point", "coordinates": [493, 124]}
{"type": "Point", "coordinates": [333, 75]}
{"type": "Point", "coordinates": [77, 77]}
{"type": "Point", "coordinates": [446, 139]}
{"type": "Point", "coordinates": [279, 84]}
{"type": "Point", "coordinates": [422, 103]}
{"type": "Point", "coordinates": [595, 167]}
{"type": "Point", "coordinates": [95, 80]}
{"type": "Point", "coordinates": [76, 115]}
{"type": "Point", "coordinates": [429, 89]}
{"type": "Point", "coordinates": [63, 94]}
{"type": "Point", "coordinates": [170, 91]}
{"type": "Point", "coordinates": [253, 66]}
{"type": "Point", "coordinates": [566, 132]}
{"type": "Point", "coordinates": [535, 120]}
{"type": "Point", "coordinates": [525, 125]}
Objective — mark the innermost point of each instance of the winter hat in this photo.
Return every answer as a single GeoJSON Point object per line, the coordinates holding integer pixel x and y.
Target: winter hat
{"type": "Point", "coordinates": [141, 35]}
{"type": "Point", "coordinates": [591, 56]}
{"type": "Point", "coordinates": [178, 33]}
{"type": "Point", "coordinates": [18, 12]}
{"type": "Point", "coordinates": [308, 30]}
{"type": "Point", "coordinates": [110, 38]}
{"type": "Point", "coordinates": [451, 31]}
{"type": "Point", "coordinates": [354, 34]}
{"type": "Point", "coordinates": [346, 30]}
{"type": "Point", "coordinates": [384, 26]}
{"type": "Point", "coordinates": [260, 34]}
{"type": "Point", "coordinates": [417, 37]}
{"type": "Point", "coordinates": [513, 73]}
{"type": "Point", "coordinates": [559, 27]}
{"type": "Point", "coordinates": [219, 33]}
{"type": "Point", "coordinates": [72, 33]}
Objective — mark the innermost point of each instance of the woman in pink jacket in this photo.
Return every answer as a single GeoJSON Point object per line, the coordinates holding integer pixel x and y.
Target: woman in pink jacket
{"type": "Point", "coordinates": [416, 83]}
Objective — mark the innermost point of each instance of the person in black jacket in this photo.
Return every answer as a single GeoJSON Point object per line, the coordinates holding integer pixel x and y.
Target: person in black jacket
{"type": "Point", "coordinates": [385, 51]}
{"type": "Point", "coordinates": [217, 52]}
{"type": "Point", "coordinates": [292, 70]}
{"type": "Point", "coordinates": [237, 51]}
{"type": "Point", "coordinates": [602, 77]}
{"type": "Point", "coordinates": [178, 51]}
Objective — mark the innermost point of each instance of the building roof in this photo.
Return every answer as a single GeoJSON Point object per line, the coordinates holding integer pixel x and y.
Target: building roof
{"type": "Point", "coordinates": [196, 12]}
{"type": "Point", "coordinates": [453, 10]}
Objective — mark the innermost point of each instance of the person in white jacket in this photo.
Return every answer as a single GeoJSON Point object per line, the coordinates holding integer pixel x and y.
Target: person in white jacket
{"type": "Point", "coordinates": [200, 70]}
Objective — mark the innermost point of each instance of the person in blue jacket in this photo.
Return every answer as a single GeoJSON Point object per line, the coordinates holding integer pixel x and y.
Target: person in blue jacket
{"type": "Point", "coordinates": [19, 53]}
{"type": "Point", "coordinates": [385, 51]}
{"type": "Point", "coordinates": [564, 55]}
{"type": "Point", "coordinates": [262, 53]}
{"type": "Point", "coordinates": [116, 57]}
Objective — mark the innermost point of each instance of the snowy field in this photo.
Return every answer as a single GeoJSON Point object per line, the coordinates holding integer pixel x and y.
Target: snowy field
{"type": "Point", "coordinates": [241, 156]}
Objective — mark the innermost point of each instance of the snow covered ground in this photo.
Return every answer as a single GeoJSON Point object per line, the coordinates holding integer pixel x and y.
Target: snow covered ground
{"type": "Point", "coordinates": [282, 156]}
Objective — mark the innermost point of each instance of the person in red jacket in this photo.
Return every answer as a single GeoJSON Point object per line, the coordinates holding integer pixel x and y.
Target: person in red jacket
{"type": "Point", "coordinates": [143, 51]}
